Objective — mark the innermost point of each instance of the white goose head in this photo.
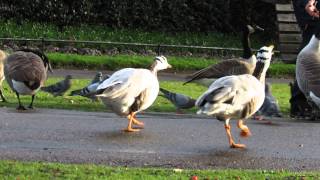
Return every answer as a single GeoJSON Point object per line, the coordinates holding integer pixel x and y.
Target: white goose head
{"type": "Point", "coordinates": [160, 63]}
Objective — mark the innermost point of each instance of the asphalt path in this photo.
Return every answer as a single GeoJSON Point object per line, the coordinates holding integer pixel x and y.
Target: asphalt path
{"type": "Point", "coordinates": [168, 140]}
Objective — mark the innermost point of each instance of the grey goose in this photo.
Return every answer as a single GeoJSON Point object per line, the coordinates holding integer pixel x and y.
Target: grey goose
{"type": "Point", "coordinates": [131, 90]}
{"type": "Point", "coordinates": [237, 96]}
{"type": "Point", "coordinates": [26, 72]}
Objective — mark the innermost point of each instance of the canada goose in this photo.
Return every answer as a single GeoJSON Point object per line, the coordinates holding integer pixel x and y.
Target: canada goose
{"type": "Point", "coordinates": [26, 72]}
{"type": "Point", "coordinates": [130, 90]}
{"type": "Point", "coordinates": [235, 66]}
{"type": "Point", "coordinates": [237, 96]}
{"type": "Point", "coordinates": [3, 55]}
{"type": "Point", "coordinates": [59, 88]}
{"type": "Point", "coordinates": [307, 72]}
{"type": "Point", "coordinates": [180, 101]}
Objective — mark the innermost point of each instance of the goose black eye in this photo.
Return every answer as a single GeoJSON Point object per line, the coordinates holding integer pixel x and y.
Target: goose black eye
{"type": "Point", "coordinates": [262, 51]}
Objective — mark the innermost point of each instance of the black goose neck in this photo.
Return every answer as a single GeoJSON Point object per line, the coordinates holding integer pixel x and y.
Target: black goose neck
{"type": "Point", "coordinates": [317, 31]}
{"type": "Point", "coordinates": [258, 71]}
{"type": "Point", "coordinates": [247, 52]}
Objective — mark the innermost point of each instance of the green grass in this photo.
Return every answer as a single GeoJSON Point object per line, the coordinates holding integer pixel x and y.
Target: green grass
{"type": "Point", "coordinates": [42, 170]}
{"type": "Point", "coordinates": [277, 69]}
{"type": "Point", "coordinates": [102, 33]}
{"type": "Point", "coordinates": [45, 100]}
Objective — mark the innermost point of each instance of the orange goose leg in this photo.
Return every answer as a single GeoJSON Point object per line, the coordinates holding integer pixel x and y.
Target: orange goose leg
{"type": "Point", "coordinates": [135, 121]}
{"type": "Point", "coordinates": [231, 142]}
{"type": "Point", "coordinates": [131, 119]}
{"type": "Point", "coordinates": [245, 131]}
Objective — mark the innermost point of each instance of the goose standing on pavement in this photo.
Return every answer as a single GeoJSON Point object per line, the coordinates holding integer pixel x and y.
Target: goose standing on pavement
{"type": "Point", "coordinates": [131, 90]}
{"type": "Point", "coordinates": [308, 72]}
{"type": "Point", "coordinates": [26, 72]}
{"type": "Point", "coordinates": [237, 96]}
{"type": "Point", "coordinates": [235, 66]}
{"type": "Point", "coordinates": [3, 55]}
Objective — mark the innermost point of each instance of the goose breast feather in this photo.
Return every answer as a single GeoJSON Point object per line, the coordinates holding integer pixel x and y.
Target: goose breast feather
{"type": "Point", "coordinates": [307, 73]}
{"type": "Point", "coordinates": [124, 87]}
{"type": "Point", "coordinates": [237, 96]}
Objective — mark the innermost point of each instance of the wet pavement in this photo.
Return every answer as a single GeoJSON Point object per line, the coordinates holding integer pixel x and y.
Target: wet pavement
{"type": "Point", "coordinates": [168, 140]}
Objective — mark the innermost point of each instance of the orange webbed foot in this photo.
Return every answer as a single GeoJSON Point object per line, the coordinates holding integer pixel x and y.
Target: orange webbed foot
{"type": "Point", "coordinates": [238, 146]}
{"type": "Point", "coordinates": [245, 133]}
{"type": "Point", "coordinates": [139, 123]}
{"type": "Point", "coordinates": [131, 130]}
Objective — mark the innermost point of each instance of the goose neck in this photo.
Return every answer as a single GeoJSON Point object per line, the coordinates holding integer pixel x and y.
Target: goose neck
{"type": "Point", "coordinates": [153, 69]}
{"type": "Point", "coordinates": [261, 70]}
{"type": "Point", "coordinates": [247, 52]}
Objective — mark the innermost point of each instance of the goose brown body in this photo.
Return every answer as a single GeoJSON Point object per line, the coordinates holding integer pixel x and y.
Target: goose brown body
{"type": "Point", "coordinates": [25, 67]}
{"type": "Point", "coordinates": [26, 73]}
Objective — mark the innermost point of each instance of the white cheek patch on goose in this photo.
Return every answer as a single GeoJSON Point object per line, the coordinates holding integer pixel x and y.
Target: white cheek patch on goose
{"type": "Point", "coordinates": [262, 55]}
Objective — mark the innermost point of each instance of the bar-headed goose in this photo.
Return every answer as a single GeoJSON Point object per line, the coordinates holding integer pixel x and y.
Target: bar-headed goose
{"type": "Point", "coordinates": [234, 66]}
{"type": "Point", "coordinates": [308, 72]}
{"type": "Point", "coordinates": [3, 55]}
{"type": "Point", "coordinates": [26, 72]}
{"type": "Point", "coordinates": [129, 91]}
{"type": "Point", "coordinates": [237, 96]}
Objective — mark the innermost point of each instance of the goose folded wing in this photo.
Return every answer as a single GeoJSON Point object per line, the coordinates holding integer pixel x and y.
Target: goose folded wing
{"type": "Point", "coordinates": [25, 67]}
{"type": "Point", "coordinates": [221, 69]}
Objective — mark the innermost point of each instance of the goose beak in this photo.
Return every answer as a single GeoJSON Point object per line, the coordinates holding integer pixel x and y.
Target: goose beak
{"type": "Point", "coordinates": [169, 66]}
{"type": "Point", "coordinates": [258, 28]}
{"type": "Point", "coordinates": [271, 46]}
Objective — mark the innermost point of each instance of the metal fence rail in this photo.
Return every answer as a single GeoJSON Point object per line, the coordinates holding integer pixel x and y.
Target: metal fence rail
{"type": "Point", "coordinates": [45, 41]}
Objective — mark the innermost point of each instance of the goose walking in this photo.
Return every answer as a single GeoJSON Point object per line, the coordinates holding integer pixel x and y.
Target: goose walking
{"type": "Point", "coordinates": [26, 73]}
{"type": "Point", "coordinates": [237, 96]}
{"type": "Point", "coordinates": [235, 66]}
{"type": "Point", "coordinates": [3, 55]}
{"type": "Point", "coordinates": [308, 72]}
{"type": "Point", "coordinates": [130, 90]}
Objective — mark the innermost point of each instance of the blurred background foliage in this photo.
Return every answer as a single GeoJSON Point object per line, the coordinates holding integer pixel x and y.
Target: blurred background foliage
{"type": "Point", "coordinates": [173, 16]}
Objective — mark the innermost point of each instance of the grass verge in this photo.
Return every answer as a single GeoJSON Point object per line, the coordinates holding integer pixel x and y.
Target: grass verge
{"type": "Point", "coordinates": [276, 70]}
{"type": "Point", "coordinates": [42, 170]}
{"type": "Point", "coordinates": [45, 100]}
